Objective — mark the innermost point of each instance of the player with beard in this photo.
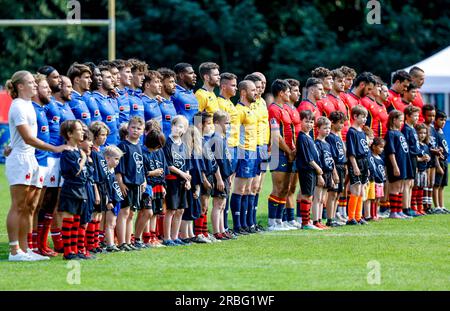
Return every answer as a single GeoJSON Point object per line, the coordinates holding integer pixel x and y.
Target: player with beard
{"type": "Point", "coordinates": [418, 78]}
{"type": "Point", "coordinates": [314, 93]}
{"type": "Point", "coordinates": [106, 106]}
{"type": "Point", "coordinates": [80, 76]}
{"type": "Point", "coordinates": [400, 82]}
{"type": "Point", "coordinates": [363, 85]}
{"type": "Point", "coordinates": [184, 99]}
{"type": "Point", "coordinates": [207, 99]}
{"type": "Point", "coordinates": [168, 111]}
{"type": "Point", "coordinates": [152, 87]}
{"type": "Point", "coordinates": [40, 100]}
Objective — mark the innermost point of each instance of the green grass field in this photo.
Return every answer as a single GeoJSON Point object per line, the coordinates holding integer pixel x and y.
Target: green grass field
{"type": "Point", "coordinates": [410, 254]}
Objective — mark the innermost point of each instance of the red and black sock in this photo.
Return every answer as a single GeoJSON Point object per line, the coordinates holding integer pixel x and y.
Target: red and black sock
{"type": "Point", "coordinates": [90, 233]}
{"type": "Point", "coordinates": [58, 242]}
{"type": "Point", "coordinates": [305, 207]}
{"type": "Point", "coordinates": [67, 235]}
{"type": "Point", "coordinates": [74, 235]}
{"type": "Point", "coordinates": [198, 225]}
{"type": "Point", "coordinates": [81, 235]}
{"type": "Point", "coordinates": [96, 233]}
{"type": "Point", "coordinates": [205, 224]}
{"type": "Point", "coordinates": [400, 202]}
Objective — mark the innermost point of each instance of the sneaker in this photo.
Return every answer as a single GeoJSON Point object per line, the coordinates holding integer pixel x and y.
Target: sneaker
{"type": "Point", "coordinates": [446, 211]}
{"type": "Point", "coordinates": [200, 239]}
{"type": "Point", "coordinates": [36, 256]}
{"type": "Point", "coordinates": [230, 235]}
{"type": "Point", "coordinates": [295, 224]}
{"type": "Point", "coordinates": [20, 256]}
{"type": "Point", "coordinates": [179, 242]}
{"type": "Point", "coordinates": [320, 225]}
{"type": "Point", "coordinates": [156, 243]}
{"type": "Point", "coordinates": [251, 230]}
{"type": "Point", "coordinates": [213, 239]}
{"type": "Point", "coordinates": [48, 252]}
{"type": "Point", "coordinates": [86, 256]}
{"type": "Point", "coordinates": [402, 215]}
{"type": "Point", "coordinates": [310, 227]}
{"type": "Point", "coordinates": [219, 236]}
{"type": "Point", "coordinates": [133, 248]}
{"type": "Point", "coordinates": [332, 224]}
{"type": "Point", "coordinates": [139, 245]}
{"type": "Point", "coordinates": [186, 241]}
{"type": "Point", "coordinates": [395, 215]}
{"type": "Point", "coordinates": [124, 247]}
{"type": "Point", "coordinates": [71, 256]}
{"type": "Point", "coordinates": [169, 243]}
{"type": "Point", "coordinates": [438, 211]}
{"type": "Point", "coordinates": [260, 228]}
{"type": "Point", "coordinates": [287, 225]}
{"type": "Point", "coordinates": [352, 222]}
{"type": "Point", "coordinates": [410, 212]}
{"type": "Point", "coordinates": [362, 221]}
{"type": "Point", "coordinates": [242, 231]}
{"type": "Point", "coordinates": [112, 249]}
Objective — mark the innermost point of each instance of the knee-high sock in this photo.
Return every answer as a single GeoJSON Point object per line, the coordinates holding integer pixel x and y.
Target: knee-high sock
{"type": "Point", "coordinates": [305, 207]}
{"type": "Point", "coordinates": [352, 202]}
{"type": "Point", "coordinates": [400, 202]}
{"type": "Point", "coordinates": [235, 206]}
{"type": "Point", "coordinates": [290, 214]}
{"type": "Point", "coordinates": [244, 207]}
{"type": "Point", "coordinates": [359, 207]}
{"type": "Point", "coordinates": [67, 235]}
{"type": "Point", "coordinates": [255, 210]}
{"type": "Point", "coordinates": [250, 210]}
{"type": "Point", "coordinates": [225, 213]}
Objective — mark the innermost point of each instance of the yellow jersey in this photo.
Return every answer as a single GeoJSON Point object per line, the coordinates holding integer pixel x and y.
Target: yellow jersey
{"type": "Point", "coordinates": [262, 114]}
{"type": "Point", "coordinates": [228, 106]}
{"type": "Point", "coordinates": [247, 127]}
{"type": "Point", "coordinates": [207, 101]}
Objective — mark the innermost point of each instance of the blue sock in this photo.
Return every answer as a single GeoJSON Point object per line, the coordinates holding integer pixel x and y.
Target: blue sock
{"type": "Point", "coordinates": [225, 213]}
{"type": "Point", "coordinates": [290, 215]}
{"type": "Point", "coordinates": [235, 206]}
{"type": "Point", "coordinates": [280, 210]}
{"type": "Point", "coordinates": [250, 210]}
{"type": "Point", "coordinates": [244, 207]}
{"type": "Point", "coordinates": [299, 214]}
{"type": "Point", "coordinates": [285, 216]}
{"type": "Point", "coordinates": [256, 208]}
{"type": "Point", "coordinates": [272, 208]}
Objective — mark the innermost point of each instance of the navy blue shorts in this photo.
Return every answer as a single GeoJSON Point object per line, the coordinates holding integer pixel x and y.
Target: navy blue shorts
{"type": "Point", "coordinates": [176, 194]}
{"type": "Point", "coordinates": [246, 164]}
{"type": "Point", "coordinates": [70, 205]}
{"type": "Point", "coordinates": [87, 208]}
{"type": "Point", "coordinates": [133, 198]}
{"type": "Point", "coordinates": [281, 164]}
{"type": "Point", "coordinates": [194, 208]}
{"type": "Point", "coordinates": [411, 168]}
{"type": "Point", "coordinates": [441, 180]}
{"type": "Point", "coordinates": [234, 157]}
{"type": "Point", "coordinates": [363, 165]}
{"type": "Point", "coordinates": [308, 181]}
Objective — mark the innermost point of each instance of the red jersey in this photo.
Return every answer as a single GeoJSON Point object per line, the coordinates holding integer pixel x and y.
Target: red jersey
{"type": "Point", "coordinates": [280, 119]}
{"type": "Point", "coordinates": [309, 105]}
{"type": "Point", "coordinates": [351, 100]}
{"type": "Point", "coordinates": [377, 116]}
{"type": "Point", "coordinates": [418, 102]}
{"type": "Point", "coordinates": [295, 118]}
{"type": "Point", "coordinates": [325, 106]}
{"type": "Point", "coordinates": [340, 106]}
{"type": "Point", "coordinates": [394, 101]}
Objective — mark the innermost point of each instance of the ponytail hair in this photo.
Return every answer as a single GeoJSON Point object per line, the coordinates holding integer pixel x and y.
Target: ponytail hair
{"type": "Point", "coordinates": [16, 79]}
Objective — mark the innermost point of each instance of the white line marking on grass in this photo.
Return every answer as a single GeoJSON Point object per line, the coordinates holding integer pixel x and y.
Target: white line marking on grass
{"type": "Point", "coordinates": [366, 234]}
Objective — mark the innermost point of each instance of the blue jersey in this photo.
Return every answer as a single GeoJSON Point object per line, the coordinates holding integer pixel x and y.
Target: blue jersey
{"type": "Point", "coordinates": [396, 144]}
{"type": "Point", "coordinates": [100, 166]}
{"type": "Point", "coordinates": [43, 133]}
{"type": "Point", "coordinates": [151, 109]}
{"type": "Point", "coordinates": [114, 194]}
{"type": "Point", "coordinates": [185, 103]}
{"type": "Point", "coordinates": [222, 155]}
{"type": "Point", "coordinates": [211, 166]}
{"type": "Point", "coordinates": [197, 166]}
{"type": "Point", "coordinates": [325, 155]}
{"type": "Point", "coordinates": [74, 185]}
{"type": "Point", "coordinates": [357, 144]}
{"type": "Point", "coordinates": [66, 114]}
{"type": "Point", "coordinates": [79, 108]}
{"type": "Point", "coordinates": [432, 144]}
{"type": "Point", "coordinates": [124, 106]}
{"type": "Point", "coordinates": [377, 168]}
{"type": "Point", "coordinates": [421, 165]}
{"type": "Point", "coordinates": [136, 105]}
{"type": "Point", "coordinates": [154, 160]}
{"type": "Point", "coordinates": [92, 106]}
{"type": "Point", "coordinates": [168, 112]}
{"type": "Point", "coordinates": [337, 148]}
{"type": "Point", "coordinates": [131, 165]}
{"type": "Point", "coordinates": [412, 139]}
{"type": "Point", "coordinates": [176, 155]}
{"type": "Point", "coordinates": [53, 114]}
{"type": "Point", "coordinates": [108, 116]}
{"type": "Point", "coordinates": [306, 152]}
{"type": "Point", "coordinates": [442, 143]}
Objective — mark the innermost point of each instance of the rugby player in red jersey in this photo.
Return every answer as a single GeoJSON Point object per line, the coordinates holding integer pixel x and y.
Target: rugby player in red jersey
{"type": "Point", "coordinates": [400, 82]}
{"type": "Point", "coordinates": [418, 78]}
{"type": "Point", "coordinates": [324, 74]}
{"type": "Point", "coordinates": [334, 97]}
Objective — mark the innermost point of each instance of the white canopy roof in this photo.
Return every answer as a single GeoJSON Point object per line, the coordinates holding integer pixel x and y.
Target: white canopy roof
{"type": "Point", "coordinates": [437, 72]}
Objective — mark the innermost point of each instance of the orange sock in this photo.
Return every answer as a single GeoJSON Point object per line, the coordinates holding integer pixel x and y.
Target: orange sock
{"type": "Point", "coordinates": [352, 201]}
{"type": "Point", "coordinates": [359, 206]}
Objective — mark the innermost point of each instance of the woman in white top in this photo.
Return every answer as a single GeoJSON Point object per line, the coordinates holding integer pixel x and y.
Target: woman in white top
{"type": "Point", "coordinates": [21, 167]}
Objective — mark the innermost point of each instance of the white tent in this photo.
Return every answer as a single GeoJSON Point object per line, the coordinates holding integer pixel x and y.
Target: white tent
{"type": "Point", "coordinates": [436, 89]}
{"type": "Point", "coordinates": [437, 72]}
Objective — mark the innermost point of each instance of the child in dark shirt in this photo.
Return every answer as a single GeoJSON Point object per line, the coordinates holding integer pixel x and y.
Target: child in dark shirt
{"type": "Point", "coordinates": [112, 156]}
{"type": "Point", "coordinates": [379, 174]}
{"type": "Point", "coordinates": [130, 177]}
{"type": "Point", "coordinates": [73, 190]}
{"type": "Point", "coordinates": [441, 179]}
{"type": "Point", "coordinates": [421, 180]}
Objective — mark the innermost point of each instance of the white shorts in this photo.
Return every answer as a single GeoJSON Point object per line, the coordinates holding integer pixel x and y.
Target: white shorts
{"type": "Point", "coordinates": [53, 178]}
{"type": "Point", "coordinates": [23, 169]}
{"type": "Point", "coordinates": [42, 174]}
